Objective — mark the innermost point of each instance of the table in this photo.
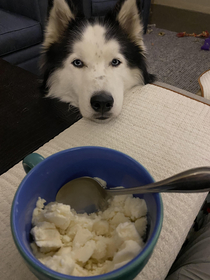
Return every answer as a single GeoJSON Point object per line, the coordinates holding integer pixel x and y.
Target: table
{"type": "Point", "coordinates": [167, 132]}
{"type": "Point", "coordinates": [27, 120]}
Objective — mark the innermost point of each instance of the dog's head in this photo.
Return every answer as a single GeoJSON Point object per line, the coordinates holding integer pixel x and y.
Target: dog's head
{"type": "Point", "coordinates": [92, 63]}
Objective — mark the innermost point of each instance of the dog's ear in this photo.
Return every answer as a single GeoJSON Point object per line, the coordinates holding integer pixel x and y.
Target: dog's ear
{"type": "Point", "coordinates": [60, 13]}
{"type": "Point", "coordinates": [127, 13]}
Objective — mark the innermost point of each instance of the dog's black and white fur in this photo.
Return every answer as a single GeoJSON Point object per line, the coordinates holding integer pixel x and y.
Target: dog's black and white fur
{"type": "Point", "coordinates": [91, 63]}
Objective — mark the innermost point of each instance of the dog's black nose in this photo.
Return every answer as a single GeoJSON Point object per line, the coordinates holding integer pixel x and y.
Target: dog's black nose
{"type": "Point", "coordinates": [102, 102]}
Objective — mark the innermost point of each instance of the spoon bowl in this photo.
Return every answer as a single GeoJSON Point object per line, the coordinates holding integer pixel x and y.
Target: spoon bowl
{"type": "Point", "coordinates": [84, 194]}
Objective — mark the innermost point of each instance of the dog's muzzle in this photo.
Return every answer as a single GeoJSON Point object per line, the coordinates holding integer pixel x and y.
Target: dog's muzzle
{"type": "Point", "coordinates": [102, 102]}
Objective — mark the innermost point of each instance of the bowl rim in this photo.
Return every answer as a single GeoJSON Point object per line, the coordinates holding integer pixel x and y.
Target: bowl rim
{"type": "Point", "coordinates": [128, 268]}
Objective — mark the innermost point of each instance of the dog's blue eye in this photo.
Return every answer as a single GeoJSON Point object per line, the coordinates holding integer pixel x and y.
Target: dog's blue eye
{"type": "Point", "coordinates": [78, 63]}
{"type": "Point", "coordinates": [115, 62]}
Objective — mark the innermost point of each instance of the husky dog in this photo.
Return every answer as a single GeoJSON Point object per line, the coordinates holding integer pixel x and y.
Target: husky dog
{"type": "Point", "coordinates": [91, 63]}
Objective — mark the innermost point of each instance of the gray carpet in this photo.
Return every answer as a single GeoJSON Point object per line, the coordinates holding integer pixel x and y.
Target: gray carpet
{"type": "Point", "coordinates": [176, 61]}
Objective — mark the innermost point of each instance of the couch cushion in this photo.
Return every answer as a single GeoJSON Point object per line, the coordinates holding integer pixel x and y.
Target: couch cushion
{"type": "Point", "coordinates": [101, 7]}
{"type": "Point", "coordinates": [17, 32]}
{"type": "Point", "coordinates": [23, 55]}
{"type": "Point", "coordinates": [34, 9]}
{"type": "Point", "coordinates": [27, 59]}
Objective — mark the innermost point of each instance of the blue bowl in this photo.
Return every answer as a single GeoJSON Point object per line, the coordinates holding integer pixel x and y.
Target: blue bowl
{"type": "Point", "coordinates": [46, 178]}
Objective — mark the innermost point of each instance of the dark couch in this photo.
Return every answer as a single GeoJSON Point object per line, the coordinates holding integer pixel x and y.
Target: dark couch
{"type": "Point", "coordinates": [100, 7]}
{"type": "Point", "coordinates": [21, 31]}
{"type": "Point", "coordinates": [22, 24]}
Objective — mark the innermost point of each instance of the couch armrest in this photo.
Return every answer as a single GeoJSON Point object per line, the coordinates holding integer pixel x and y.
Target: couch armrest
{"type": "Point", "coordinates": [43, 7]}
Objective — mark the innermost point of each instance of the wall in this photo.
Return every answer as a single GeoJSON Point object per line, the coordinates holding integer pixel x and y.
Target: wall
{"type": "Point", "coordinates": [202, 6]}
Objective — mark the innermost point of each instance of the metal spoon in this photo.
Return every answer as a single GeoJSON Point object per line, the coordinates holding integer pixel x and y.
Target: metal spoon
{"type": "Point", "coordinates": [86, 194]}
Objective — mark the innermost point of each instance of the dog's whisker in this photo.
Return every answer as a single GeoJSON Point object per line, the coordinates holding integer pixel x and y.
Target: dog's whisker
{"type": "Point", "coordinates": [74, 110]}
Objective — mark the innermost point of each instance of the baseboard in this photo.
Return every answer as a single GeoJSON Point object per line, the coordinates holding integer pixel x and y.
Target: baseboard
{"type": "Point", "coordinates": [202, 6]}
{"type": "Point", "coordinates": [179, 20]}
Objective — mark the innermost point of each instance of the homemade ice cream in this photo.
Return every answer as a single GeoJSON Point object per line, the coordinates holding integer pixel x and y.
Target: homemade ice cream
{"type": "Point", "coordinates": [86, 245]}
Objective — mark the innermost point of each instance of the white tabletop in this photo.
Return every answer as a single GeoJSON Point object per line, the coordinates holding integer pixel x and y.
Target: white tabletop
{"type": "Point", "coordinates": [165, 131]}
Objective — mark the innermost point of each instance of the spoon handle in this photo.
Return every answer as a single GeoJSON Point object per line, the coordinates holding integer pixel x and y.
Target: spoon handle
{"type": "Point", "coordinates": [191, 181]}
